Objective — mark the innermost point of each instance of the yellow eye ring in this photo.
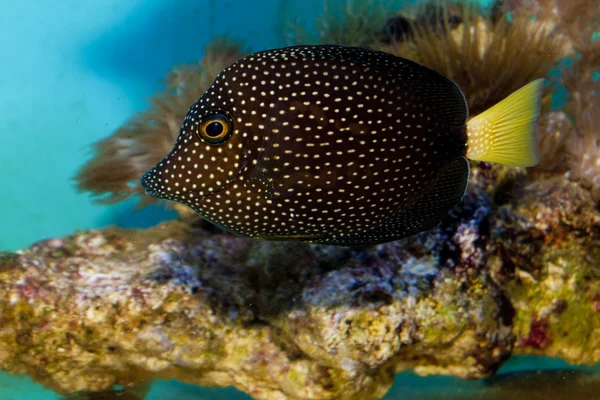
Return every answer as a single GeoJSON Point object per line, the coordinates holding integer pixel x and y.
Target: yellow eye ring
{"type": "Point", "coordinates": [215, 129]}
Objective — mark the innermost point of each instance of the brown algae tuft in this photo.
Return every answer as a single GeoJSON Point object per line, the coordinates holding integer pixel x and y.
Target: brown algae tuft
{"type": "Point", "coordinates": [119, 160]}
{"type": "Point", "coordinates": [489, 58]}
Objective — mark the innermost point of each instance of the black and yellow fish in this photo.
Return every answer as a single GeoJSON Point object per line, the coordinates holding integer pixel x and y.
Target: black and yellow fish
{"type": "Point", "coordinates": [336, 145]}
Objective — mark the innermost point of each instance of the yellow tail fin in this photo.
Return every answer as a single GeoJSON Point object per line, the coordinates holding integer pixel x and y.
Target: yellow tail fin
{"type": "Point", "coordinates": [505, 133]}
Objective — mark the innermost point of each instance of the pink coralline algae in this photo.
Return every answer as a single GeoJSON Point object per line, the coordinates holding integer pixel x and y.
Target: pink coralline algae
{"type": "Point", "coordinates": [538, 334]}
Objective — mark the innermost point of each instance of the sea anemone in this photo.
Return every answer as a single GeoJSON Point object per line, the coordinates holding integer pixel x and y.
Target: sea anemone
{"type": "Point", "coordinates": [120, 160]}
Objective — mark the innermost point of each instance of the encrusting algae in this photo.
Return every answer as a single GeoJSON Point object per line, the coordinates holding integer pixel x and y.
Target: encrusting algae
{"type": "Point", "coordinates": [512, 269]}
{"type": "Point", "coordinates": [292, 321]}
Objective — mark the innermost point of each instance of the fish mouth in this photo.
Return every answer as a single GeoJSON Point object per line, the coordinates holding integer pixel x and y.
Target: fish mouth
{"type": "Point", "coordinates": [146, 181]}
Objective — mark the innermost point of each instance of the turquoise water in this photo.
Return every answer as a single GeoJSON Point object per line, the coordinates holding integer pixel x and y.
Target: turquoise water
{"type": "Point", "coordinates": [72, 72]}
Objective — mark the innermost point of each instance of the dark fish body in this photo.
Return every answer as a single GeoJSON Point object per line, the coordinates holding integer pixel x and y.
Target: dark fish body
{"type": "Point", "coordinates": [328, 144]}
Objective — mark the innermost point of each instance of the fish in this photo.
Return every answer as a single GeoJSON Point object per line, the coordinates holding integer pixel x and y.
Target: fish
{"type": "Point", "coordinates": [336, 145]}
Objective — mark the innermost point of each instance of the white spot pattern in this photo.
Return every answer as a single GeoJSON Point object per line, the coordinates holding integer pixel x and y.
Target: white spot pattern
{"type": "Point", "coordinates": [330, 144]}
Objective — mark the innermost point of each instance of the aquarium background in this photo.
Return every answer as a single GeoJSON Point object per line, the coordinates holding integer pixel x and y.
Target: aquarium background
{"type": "Point", "coordinates": [72, 72]}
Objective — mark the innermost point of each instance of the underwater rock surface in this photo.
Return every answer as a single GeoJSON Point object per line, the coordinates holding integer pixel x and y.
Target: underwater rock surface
{"type": "Point", "coordinates": [512, 270]}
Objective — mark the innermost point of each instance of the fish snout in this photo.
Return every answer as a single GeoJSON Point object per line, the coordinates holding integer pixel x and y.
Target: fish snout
{"type": "Point", "coordinates": [150, 183]}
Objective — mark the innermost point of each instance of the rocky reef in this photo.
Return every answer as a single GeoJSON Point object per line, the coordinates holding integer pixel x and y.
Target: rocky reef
{"type": "Point", "coordinates": [511, 271]}
{"type": "Point", "coordinates": [514, 269]}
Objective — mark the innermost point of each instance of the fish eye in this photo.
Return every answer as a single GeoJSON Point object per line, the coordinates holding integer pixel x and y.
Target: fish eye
{"type": "Point", "coordinates": [215, 129]}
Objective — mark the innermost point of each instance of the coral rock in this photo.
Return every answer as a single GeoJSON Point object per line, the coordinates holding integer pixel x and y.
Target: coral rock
{"type": "Point", "coordinates": [285, 320]}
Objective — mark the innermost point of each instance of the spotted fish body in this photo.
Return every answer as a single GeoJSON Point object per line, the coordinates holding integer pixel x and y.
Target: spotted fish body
{"type": "Point", "coordinates": [327, 144]}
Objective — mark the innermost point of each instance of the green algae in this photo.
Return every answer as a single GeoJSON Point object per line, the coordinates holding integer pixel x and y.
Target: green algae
{"type": "Point", "coordinates": [562, 295]}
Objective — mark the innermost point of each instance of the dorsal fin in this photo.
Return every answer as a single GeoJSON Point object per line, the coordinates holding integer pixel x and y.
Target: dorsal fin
{"type": "Point", "coordinates": [444, 98]}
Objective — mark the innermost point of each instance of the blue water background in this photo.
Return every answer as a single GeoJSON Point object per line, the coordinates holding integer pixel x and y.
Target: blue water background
{"type": "Point", "coordinates": [71, 72]}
